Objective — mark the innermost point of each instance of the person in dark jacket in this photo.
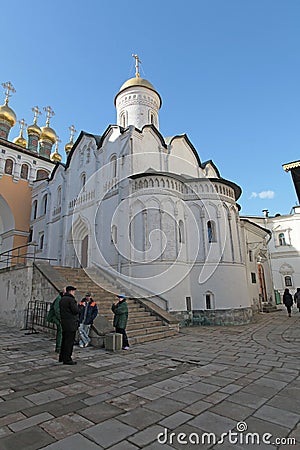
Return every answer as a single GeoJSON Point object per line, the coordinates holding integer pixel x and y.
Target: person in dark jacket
{"type": "Point", "coordinates": [120, 310]}
{"type": "Point", "coordinates": [53, 316]}
{"type": "Point", "coordinates": [69, 322]}
{"type": "Point", "coordinates": [288, 301]}
{"type": "Point", "coordinates": [88, 311]}
{"type": "Point", "coordinates": [297, 298]}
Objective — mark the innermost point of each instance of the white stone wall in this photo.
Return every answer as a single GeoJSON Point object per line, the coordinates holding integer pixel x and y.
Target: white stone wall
{"type": "Point", "coordinates": [15, 288]}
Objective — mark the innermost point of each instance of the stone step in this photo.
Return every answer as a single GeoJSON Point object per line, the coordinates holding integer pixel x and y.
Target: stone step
{"type": "Point", "coordinates": [142, 325]}
{"type": "Point", "coordinates": [138, 325]}
{"type": "Point", "coordinates": [152, 337]}
{"type": "Point", "coordinates": [146, 330]}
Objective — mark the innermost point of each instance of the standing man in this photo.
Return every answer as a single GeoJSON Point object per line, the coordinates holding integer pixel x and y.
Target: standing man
{"type": "Point", "coordinates": [88, 311]}
{"type": "Point", "coordinates": [69, 323]}
{"type": "Point", "coordinates": [120, 310]}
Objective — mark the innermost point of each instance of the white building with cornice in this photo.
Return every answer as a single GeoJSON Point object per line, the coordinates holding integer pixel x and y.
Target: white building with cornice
{"type": "Point", "coordinates": [140, 208]}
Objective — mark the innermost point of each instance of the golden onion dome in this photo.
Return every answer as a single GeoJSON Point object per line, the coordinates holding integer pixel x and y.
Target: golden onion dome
{"type": "Point", "coordinates": [55, 156]}
{"type": "Point", "coordinates": [21, 141]}
{"type": "Point", "coordinates": [68, 147]}
{"type": "Point", "coordinates": [48, 133]}
{"type": "Point", "coordinates": [34, 129]}
{"type": "Point", "coordinates": [137, 82]}
{"type": "Point", "coordinates": [8, 114]}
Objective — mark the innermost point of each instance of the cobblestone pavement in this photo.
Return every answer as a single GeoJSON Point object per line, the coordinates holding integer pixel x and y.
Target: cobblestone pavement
{"type": "Point", "coordinates": [176, 393]}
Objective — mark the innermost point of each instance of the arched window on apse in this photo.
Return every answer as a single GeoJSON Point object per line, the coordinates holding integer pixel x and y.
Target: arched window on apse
{"type": "Point", "coordinates": [211, 231]}
{"type": "Point", "coordinates": [181, 231]}
{"type": "Point", "coordinates": [113, 161]}
{"type": "Point", "coordinates": [114, 234]}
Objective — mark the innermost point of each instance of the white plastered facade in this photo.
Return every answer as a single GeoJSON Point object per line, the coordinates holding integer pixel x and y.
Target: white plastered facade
{"type": "Point", "coordinates": [145, 209]}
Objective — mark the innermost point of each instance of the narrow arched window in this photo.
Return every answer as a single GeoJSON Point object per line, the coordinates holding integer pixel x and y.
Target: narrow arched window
{"type": "Point", "coordinates": [41, 243]}
{"type": "Point", "coordinates": [83, 181]}
{"type": "Point", "coordinates": [123, 120]}
{"type": "Point", "coordinates": [181, 231]}
{"type": "Point", "coordinates": [281, 239]}
{"type": "Point", "coordinates": [114, 234]}
{"type": "Point", "coordinates": [34, 209]}
{"type": "Point", "coordinates": [288, 281]}
{"type": "Point", "coordinates": [208, 301]}
{"type": "Point", "coordinates": [152, 118]}
{"type": "Point", "coordinates": [24, 172]}
{"type": "Point", "coordinates": [59, 196]}
{"type": "Point", "coordinates": [113, 161]}
{"type": "Point", "coordinates": [211, 231]}
{"type": "Point", "coordinates": [44, 204]}
{"type": "Point", "coordinates": [9, 167]}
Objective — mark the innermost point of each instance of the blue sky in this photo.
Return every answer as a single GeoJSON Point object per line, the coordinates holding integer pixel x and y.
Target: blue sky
{"type": "Point", "coordinates": [228, 73]}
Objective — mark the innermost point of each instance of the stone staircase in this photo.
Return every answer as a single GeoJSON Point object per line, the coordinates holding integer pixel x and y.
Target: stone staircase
{"type": "Point", "coordinates": [143, 325]}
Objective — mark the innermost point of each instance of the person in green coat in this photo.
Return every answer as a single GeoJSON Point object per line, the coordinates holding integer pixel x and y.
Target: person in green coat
{"type": "Point", "coordinates": [53, 316]}
{"type": "Point", "coordinates": [120, 310]}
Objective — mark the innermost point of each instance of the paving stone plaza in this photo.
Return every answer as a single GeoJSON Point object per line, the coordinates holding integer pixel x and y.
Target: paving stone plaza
{"type": "Point", "coordinates": [181, 392]}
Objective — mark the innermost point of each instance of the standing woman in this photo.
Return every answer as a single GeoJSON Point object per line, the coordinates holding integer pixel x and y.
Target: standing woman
{"type": "Point", "coordinates": [120, 310]}
{"type": "Point", "coordinates": [288, 301]}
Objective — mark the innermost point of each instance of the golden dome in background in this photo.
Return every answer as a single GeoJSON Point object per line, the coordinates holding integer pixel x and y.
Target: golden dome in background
{"type": "Point", "coordinates": [68, 147]}
{"type": "Point", "coordinates": [48, 133]}
{"type": "Point", "coordinates": [55, 157]}
{"type": "Point", "coordinates": [21, 141]}
{"type": "Point", "coordinates": [8, 114]}
{"type": "Point", "coordinates": [34, 129]}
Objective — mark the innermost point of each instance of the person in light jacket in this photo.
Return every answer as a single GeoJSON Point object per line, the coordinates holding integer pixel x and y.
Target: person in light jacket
{"type": "Point", "coordinates": [88, 312]}
{"type": "Point", "coordinates": [120, 310]}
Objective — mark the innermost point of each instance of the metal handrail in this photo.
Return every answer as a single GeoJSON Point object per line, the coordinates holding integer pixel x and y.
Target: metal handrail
{"type": "Point", "coordinates": [16, 256]}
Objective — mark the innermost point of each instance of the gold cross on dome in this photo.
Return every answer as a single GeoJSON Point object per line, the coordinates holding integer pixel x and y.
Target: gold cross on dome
{"type": "Point", "coordinates": [22, 125]}
{"type": "Point", "coordinates": [73, 131]}
{"type": "Point", "coordinates": [37, 113]}
{"type": "Point", "coordinates": [9, 88]}
{"type": "Point", "coordinates": [137, 62]}
{"type": "Point", "coordinates": [49, 112]}
{"type": "Point", "coordinates": [56, 145]}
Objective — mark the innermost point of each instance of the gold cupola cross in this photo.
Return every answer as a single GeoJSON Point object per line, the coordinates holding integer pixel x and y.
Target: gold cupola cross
{"type": "Point", "coordinates": [37, 113]}
{"type": "Point", "coordinates": [50, 113]}
{"type": "Point", "coordinates": [8, 88]}
{"type": "Point", "coordinates": [137, 68]}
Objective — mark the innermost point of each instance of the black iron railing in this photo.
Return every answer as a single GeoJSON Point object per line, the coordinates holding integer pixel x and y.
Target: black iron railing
{"type": "Point", "coordinates": [20, 255]}
{"type": "Point", "coordinates": [35, 316]}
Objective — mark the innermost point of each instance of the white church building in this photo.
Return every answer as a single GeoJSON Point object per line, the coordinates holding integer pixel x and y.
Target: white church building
{"type": "Point", "coordinates": [143, 209]}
